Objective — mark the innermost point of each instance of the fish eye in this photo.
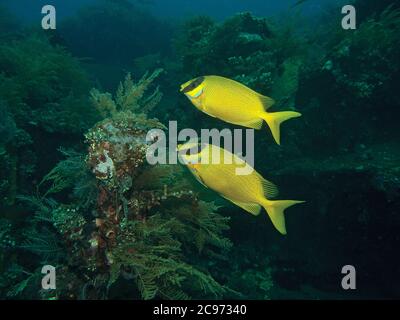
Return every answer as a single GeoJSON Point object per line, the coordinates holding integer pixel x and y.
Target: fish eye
{"type": "Point", "coordinates": [198, 81]}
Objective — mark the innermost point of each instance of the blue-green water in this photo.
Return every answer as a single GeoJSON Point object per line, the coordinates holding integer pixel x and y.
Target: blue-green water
{"type": "Point", "coordinates": [79, 195]}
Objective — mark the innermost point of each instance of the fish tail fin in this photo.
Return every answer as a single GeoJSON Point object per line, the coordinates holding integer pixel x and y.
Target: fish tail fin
{"type": "Point", "coordinates": [275, 210]}
{"type": "Point", "coordinates": [274, 120]}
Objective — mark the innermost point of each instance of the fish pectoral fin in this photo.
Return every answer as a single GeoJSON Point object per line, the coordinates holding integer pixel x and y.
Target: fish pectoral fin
{"type": "Point", "coordinates": [252, 208]}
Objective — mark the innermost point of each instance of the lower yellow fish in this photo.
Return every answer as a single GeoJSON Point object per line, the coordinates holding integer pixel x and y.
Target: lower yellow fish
{"type": "Point", "coordinates": [217, 169]}
{"type": "Point", "coordinates": [235, 103]}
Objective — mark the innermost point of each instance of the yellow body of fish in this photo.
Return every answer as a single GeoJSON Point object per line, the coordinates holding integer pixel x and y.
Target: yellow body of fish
{"type": "Point", "coordinates": [250, 192]}
{"type": "Point", "coordinates": [235, 103]}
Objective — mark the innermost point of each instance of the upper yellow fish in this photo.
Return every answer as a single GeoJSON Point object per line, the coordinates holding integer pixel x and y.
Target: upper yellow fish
{"type": "Point", "coordinates": [235, 103]}
{"type": "Point", "coordinates": [216, 168]}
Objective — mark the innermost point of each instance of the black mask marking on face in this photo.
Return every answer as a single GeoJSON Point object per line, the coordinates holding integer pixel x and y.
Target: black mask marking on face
{"type": "Point", "coordinates": [194, 84]}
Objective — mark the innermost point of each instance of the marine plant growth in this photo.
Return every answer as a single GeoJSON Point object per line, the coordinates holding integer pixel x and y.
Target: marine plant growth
{"type": "Point", "coordinates": [126, 224]}
{"type": "Point", "coordinates": [43, 95]}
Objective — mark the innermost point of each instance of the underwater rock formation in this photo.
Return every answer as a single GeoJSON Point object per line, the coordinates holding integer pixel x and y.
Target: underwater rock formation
{"type": "Point", "coordinates": [365, 62]}
{"type": "Point", "coordinates": [249, 49]}
{"type": "Point", "coordinates": [362, 213]}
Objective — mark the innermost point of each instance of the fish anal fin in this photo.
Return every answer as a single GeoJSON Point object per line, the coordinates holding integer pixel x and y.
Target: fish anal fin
{"type": "Point", "coordinates": [269, 188]}
{"type": "Point", "coordinates": [252, 208]}
{"type": "Point", "coordinates": [255, 123]}
{"type": "Point", "coordinates": [267, 102]}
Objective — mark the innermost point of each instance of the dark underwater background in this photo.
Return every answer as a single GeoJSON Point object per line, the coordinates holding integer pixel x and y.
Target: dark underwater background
{"type": "Point", "coordinates": [80, 98]}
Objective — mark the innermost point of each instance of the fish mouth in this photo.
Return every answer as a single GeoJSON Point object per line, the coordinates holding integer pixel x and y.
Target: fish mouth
{"type": "Point", "coordinates": [191, 85]}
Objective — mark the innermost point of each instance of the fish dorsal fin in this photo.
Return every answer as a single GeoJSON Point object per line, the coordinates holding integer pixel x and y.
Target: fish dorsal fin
{"type": "Point", "coordinates": [270, 189]}
{"type": "Point", "coordinates": [252, 208]}
{"type": "Point", "coordinates": [267, 102]}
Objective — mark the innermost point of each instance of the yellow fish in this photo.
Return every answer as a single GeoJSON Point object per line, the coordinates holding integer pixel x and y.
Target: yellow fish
{"type": "Point", "coordinates": [235, 103]}
{"type": "Point", "coordinates": [250, 192]}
